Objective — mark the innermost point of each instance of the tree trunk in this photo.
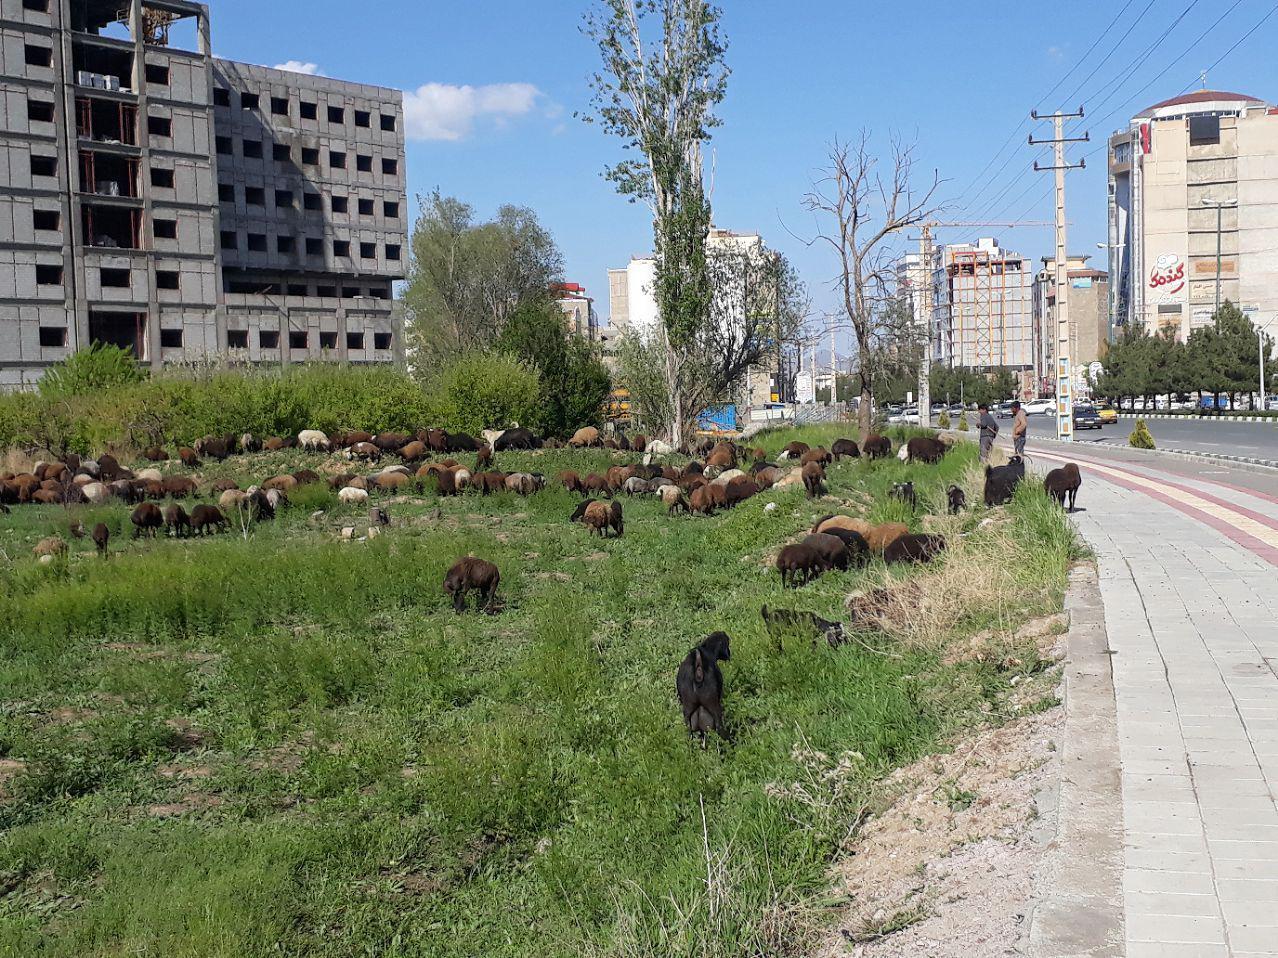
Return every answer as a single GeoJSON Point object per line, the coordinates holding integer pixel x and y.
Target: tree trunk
{"type": "Point", "coordinates": [864, 421]}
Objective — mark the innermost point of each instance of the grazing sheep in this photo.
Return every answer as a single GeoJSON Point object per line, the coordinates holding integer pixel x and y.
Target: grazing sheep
{"type": "Point", "coordinates": [877, 447]}
{"type": "Point", "coordinates": [699, 684]}
{"type": "Point", "coordinates": [635, 486]}
{"type": "Point", "coordinates": [283, 483]}
{"type": "Point", "coordinates": [794, 450]}
{"type": "Point", "coordinates": [858, 548]}
{"type": "Point", "coordinates": [768, 477]}
{"type": "Point", "coordinates": [352, 497]}
{"type": "Point", "coordinates": [799, 565]}
{"type": "Point", "coordinates": [208, 518]}
{"type": "Point", "coordinates": [571, 482]}
{"type": "Point", "coordinates": [101, 537]}
{"type": "Point", "coordinates": [109, 468]}
{"type": "Point", "coordinates": [414, 451]}
{"type": "Point", "coordinates": [155, 454]}
{"type": "Point", "coordinates": [47, 497]}
{"type": "Point", "coordinates": [364, 450]}
{"type": "Point", "coordinates": [460, 442]}
{"type": "Point", "coordinates": [390, 441]}
{"type": "Point", "coordinates": [659, 447]}
{"type": "Point", "coordinates": [674, 499]}
{"type": "Point", "coordinates": [224, 485]}
{"type": "Point", "coordinates": [617, 477]}
{"type": "Point", "coordinates": [274, 444]}
{"type": "Point", "coordinates": [488, 482]}
{"type": "Point", "coordinates": [391, 481]}
{"type": "Point", "coordinates": [881, 537]}
{"type": "Point", "coordinates": [1064, 483]}
{"type": "Point", "coordinates": [957, 499]}
{"type": "Point", "coordinates": [914, 549]}
{"type": "Point", "coordinates": [342, 480]}
{"type": "Point", "coordinates": [859, 526]}
{"type": "Point", "coordinates": [1001, 481]}
{"type": "Point", "coordinates": [472, 575]}
{"type": "Point", "coordinates": [250, 443]}
{"type": "Point", "coordinates": [814, 480]}
{"type": "Point", "coordinates": [95, 492]}
{"type": "Point", "coordinates": [516, 438]}
{"type": "Point", "coordinates": [639, 443]}
{"type": "Point", "coordinates": [147, 520]}
{"type": "Point", "coordinates": [922, 449]}
{"type": "Point", "coordinates": [176, 522]}
{"type": "Point", "coordinates": [595, 483]}
{"type": "Point", "coordinates": [523, 484]}
{"type": "Point", "coordinates": [215, 448]}
{"type": "Point", "coordinates": [601, 519]}
{"type": "Point", "coordinates": [845, 447]}
{"type": "Point", "coordinates": [739, 490]}
{"type": "Point", "coordinates": [189, 458]}
{"type": "Point", "coordinates": [707, 499]}
{"type": "Point", "coordinates": [483, 458]}
{"type": "Point", "coordinates": [51, 547]}
{"type": "Point", "coordinates": [312, 440]}
{"type": "Point", "coordinates": [232, 500]}
{"type": "Point", "coordinates": [76, 528]}
{"type": "Point", "coordinates": [833, 550]}
{"type": "Point", "coordinates": [905, 492]}
{"type": "Point", "coordinates": [780, 622]}
{"type": "Point", "coordinates": [723, 456]}
{"type": "Point", "coordinates": [819, 454]}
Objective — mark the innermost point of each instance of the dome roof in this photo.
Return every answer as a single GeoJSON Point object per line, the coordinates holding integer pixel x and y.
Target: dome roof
{"type": "Point", "coordinates": [1200, 97]}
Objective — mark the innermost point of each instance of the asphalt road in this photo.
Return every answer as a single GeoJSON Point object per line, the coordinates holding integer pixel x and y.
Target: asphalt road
{"type": "Point", "coordinates": [1259, 440]}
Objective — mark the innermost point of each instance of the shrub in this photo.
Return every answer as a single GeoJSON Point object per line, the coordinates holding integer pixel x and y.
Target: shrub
{"type": "Point", "coordinates": [90, 371]}
{"type": "Point", "coordinates": [484, 391]}
{"type": "Point", "coordinates": [944, 421]}
{"type": "Point", "coordinates": [962, 423]}
{"type": "Point", "coordinates": [1141, 438]}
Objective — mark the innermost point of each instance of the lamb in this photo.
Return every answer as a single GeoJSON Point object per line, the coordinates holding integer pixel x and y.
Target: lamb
{"type": "Point", "coordinates": [914, 549]}
{"type": "Point", "coordinates": [312, 440]}
{"type": "Point", "coordinates": [176, 522]}
{"type": "Point", "coordinates": [1064, 483]}
{"type": "Point", "coordinates": [814, 480]}
{"type": "Point", "coordinates": [1001, 481]}
{"type": "Point", "coordinates": [779, 622]}
{"type": "Point", "coordinates": [922, 449]}
{"type": "Point", "coordinates": [957, 499]}
{"type": "Point", "coordinates": [799, 564]}
{"type": "Point", "coordinates": [147, 520]}
{"type": "Point", "coordinates": [877, 447]}
{"type": "Point", "coordinates": [352, 497]}
{"type": "Point", "coordinates": [472, 575]}
{"type": "Point", "coordinates": [832, 549]}
{"type": "Point", "coordinates": [699, 684]}
{"type": "Point", "coordinates": [601, 519]}
{"type": "Point", "coordinates": [205, 519]}
{"type": "Point", "coordinates": [905, 492]}
{"type": "Point", "coordinates": [101, 536]}
{"type": "Point", "coordinates": [845, 447]}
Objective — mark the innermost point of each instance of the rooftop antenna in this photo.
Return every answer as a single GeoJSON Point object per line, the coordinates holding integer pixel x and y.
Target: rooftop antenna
{"type": "Point", "coordinates": [1203, 77]}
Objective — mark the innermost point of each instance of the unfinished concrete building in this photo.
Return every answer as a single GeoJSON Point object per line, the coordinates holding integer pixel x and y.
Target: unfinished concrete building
{"type": "Point", "coordinates": [983, 314]}
{"type": "Point", "coordinates": [178, 205]}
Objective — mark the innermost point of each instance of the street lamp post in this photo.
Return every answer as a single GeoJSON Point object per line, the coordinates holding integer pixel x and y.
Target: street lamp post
{"type": "Point", "coordinates": [1220, 215]}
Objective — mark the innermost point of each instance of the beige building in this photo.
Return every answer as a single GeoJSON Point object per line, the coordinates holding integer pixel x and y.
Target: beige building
{"type": "Point", "coordinates": [1192, 176]}
{"type": "Point", "coordinates": [982, 316]}
{"type": "Point", "coordinates": [1088, 318]}
{"type": "Point", "coordinates": [578, 309]}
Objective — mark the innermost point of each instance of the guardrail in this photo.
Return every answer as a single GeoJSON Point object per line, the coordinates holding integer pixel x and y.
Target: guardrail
{"type": "Point", "coordinates": [1193, 417]}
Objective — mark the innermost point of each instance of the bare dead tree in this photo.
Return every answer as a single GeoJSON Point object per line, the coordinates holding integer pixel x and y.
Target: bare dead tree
{"type": "Point", "coordinates": [859, 210]}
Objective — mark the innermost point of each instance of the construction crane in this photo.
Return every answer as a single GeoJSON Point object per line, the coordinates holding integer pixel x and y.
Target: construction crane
{"type": "Point", "coordinates": [984, 333]}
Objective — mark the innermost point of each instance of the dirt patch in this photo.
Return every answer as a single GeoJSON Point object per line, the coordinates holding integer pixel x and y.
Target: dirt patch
{"type": "Point", "coordinates": [67, 715]}
{"type": "Point", "coordinates": [176, 770]}
{"type": "Point", "coordinates": [10, 768]}
{"type": "Point", "coordinates": [947, 869]}
{"type": "Point", "coordinates": [185, 735]}
{"type": "Point", "coordinates": [195, 802]}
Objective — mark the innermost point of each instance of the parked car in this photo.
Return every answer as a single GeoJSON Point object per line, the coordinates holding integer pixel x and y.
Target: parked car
{"type": "Point", "coordinates": [1003, 410]}
{"type": "Point", "coordinates": [1108, 414]}
{"type": "Point", "coordinates": [1086, 417]}
{"type": "Point", "coordinates": [1040, 407]}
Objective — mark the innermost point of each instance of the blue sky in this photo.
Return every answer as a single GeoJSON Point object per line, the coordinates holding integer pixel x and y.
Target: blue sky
{"type": "Point", "coordinates": [502, 79]}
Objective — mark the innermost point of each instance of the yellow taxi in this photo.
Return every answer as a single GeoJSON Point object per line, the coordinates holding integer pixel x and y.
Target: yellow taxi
{"type": "Point", "coordinates": [1108, 414]}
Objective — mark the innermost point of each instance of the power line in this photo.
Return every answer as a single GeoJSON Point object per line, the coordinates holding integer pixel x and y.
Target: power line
{"type": "Point", "coordinates": [1112, 51]}
{"type": "Point", "coordinates": [1246, 36]}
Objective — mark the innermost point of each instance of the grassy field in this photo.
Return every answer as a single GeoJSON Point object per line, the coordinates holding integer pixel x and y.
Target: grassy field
{"type": "Point", "coordinates": [290, 745]}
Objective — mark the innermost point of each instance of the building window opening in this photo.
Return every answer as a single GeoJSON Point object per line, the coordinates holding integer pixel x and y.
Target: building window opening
{"type": "Point", "coordinates": [252, 149]}
{"type": "Point", "coordinates": [237, 339]}
{"type": "Point", "coordinates": [363, 119]}
{"type": "Point", "coordinates": [171, 338]}
{"type": "Point", "coordinates": [38, 56]}
{"type": "Point", "coordinates": [48, 275]}
{"type": "Point", "coordinates": [365, 207]}
{"type": "Point", "coordinates": [390, 167]}
{"type": "Point", "coordinates": [363, 163]}
{"type": "Point", "coordinates": [342, 249]}
{"type": "Point", "coordinates": [297, 339]}
{"type": "Point", "coordinates": [254, 196]}
{"type": "Point", "coordinates": [168, 279]}
{"type": "Point", "coordinates": [105, 174]}
{"type": "Point", "coordinates": [268, 339]}
{"type": "Point", "coordinates": [314, 247]}
{"type": "Point", "coordinates": [166, 229]}
{"type": "Point", "coordinates": [328, 340]}
{"type": "Point", "coordinates": [107, 227]}
{"type": "Point", "coordinates": [114, 278]}
{"type": "Point", "coordinates": [107, 122]}
{"type": "Point", "coordinates": [310, 111]}
{"type": "Point", "coordinates": [157, 74]}
{"type": "Point", "coordinates": [221, 96]}
{"type": "Point", "coordinates": [249, 101]}
{"type": "Point", "coordinates": [39, 111]}
{"type": "Point", "coordinates": [230, 240]}
{"type": "Point", "coordinates": [46, 220]}
{"type": "Point", "coordinates": [257, 242]}
{"type": "Point", "coordinates": [281, 153]}
{"type": "Point", "coordinates": [226, 192]}
{"type": "Point", "coordinates": [53, 337]}
{"type": "Point", "coordinates": [312, 201]}
{"type": "Point", "coordinates": [44, 165]}
{"type": "Point", "coordinates": [285, 244]}
{"type": "Point", "coordinates": [310, 156]}
{"type": "Point", "coordinates": [279, 105]}
{"type": "Point", "coordinates": [1204, 130]}
{"type": "Point", "coordinates": [368, 251]}
{"type": "Point", "coordinates": [336, 115]}
{"type": "Point", "coordinates": [390, 211]}
{"type": "Point", "coordinates": [381, 340]}
{"type": "Point", "coordinates": [125, 330]}
{"type": "Point", "coordinates": [161, 178]}
{"type": "Point", "coordinates": [389, 123]}
{"type": "Point", "coordinates": [354, 340]}
{"type": "Point", "coordinates": [103, 68]}
{"type": "Point", "coordinates": [341, 204]}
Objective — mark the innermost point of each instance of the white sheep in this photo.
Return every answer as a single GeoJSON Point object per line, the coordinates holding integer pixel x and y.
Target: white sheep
{"type": "Point", "coordinates": [724, 477]}
{"type": "Point", "coordinates": [150, 475]}
{"type": "Point", "coordinates": [904, 454]}
{"type": "Point", "coordinates": [659, 447]}
{"type": "Point", "coordinates": [95, 492]}
{"type": "Point", "coordinates": [312, 439]}
{"type": "Point", "coordinates": [351, 496]}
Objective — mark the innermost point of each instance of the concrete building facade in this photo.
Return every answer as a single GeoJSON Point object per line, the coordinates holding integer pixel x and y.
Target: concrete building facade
{"type": "Point", "coordinates": [1088, 319]}
{"type": "Point", "coordinates": [982, 310]}
{"type": "Point", "coordinates": [1169, 171]}
{"type": "Point", "coordinates": [578, 309]}
{"type": "Point", "coordinates": [177, 205]}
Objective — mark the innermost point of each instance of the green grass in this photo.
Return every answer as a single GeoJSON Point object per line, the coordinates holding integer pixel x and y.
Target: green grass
{"type": "Point", "coordinates": [288, 744]}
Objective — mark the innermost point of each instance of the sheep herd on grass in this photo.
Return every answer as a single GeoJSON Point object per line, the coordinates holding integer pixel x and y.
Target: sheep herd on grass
{"type": "Point", "coordinates": [722, 476]}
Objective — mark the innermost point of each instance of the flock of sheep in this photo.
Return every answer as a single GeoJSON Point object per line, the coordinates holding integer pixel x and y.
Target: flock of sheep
{"type": "Point", "coordinates": [724, 476]}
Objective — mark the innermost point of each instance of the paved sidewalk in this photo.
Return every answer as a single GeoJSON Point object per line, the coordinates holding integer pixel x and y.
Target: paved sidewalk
{"type": "Point", "coordinates": [1189, 581]}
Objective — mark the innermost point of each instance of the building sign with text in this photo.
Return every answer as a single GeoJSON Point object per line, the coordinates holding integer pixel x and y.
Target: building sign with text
{"type": "Point", "coordinates": [1168, 279]}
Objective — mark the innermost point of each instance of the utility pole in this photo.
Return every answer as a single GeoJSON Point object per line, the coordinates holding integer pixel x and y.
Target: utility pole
{"type": "Point", "coordinates": [1064, 360]}
{"type": "Point", "coordinates": [925, 292]}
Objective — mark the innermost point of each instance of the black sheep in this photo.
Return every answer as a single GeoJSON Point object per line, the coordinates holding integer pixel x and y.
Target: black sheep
{"type": "Point", "coordinates": [845, 447]}
{"type": "Point", "coordinates": [1001, 481]}
{"type": "Point", "coordinates": [101, 536]}
{"type": "Point", "coordinates": [700, 685]}
{"type": "Point", "coordinates": [147, 520]}
{"type": "Point", "coordinates": [472, 575]}
{"type": "Point", "coordinates": [779, 622]}
{"type": "Point", "coordinates": [914, 548]}
{"type": "Point", "coordinates": [957, 499]}
{"type": "Point", "coordinates": [799, 564]}
{"type": "Point", "coordinates": [922, 449]}
{"type": "Point", "coordinates": [208, 518]}
{"type": "Point", "coordinates": [905, 492]}
{"type": "Point", "coordinates": [1063, 483]}
{"type": "Point", "coordinates": [877, 447]}
{"type": "Point", "coordinates": [516, 439]}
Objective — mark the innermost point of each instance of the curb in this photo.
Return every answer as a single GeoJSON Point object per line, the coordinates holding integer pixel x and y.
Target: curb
{"type": "Point", "coordinates": [1078, 900]}
{"type": "Point", "coordinates": [1248, 463]}
{"type": "Point", "coordinates": [1190, 417]}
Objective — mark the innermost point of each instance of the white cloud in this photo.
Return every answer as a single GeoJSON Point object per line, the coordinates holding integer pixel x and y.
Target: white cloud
{"type": "Point", "coordinates": [297, 66]}
{"type": "Point", "coordinates": [442, 111]}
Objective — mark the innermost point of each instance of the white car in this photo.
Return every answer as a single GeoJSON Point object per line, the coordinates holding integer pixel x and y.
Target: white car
{"type": "Point", "coordinates": [1039, 407]}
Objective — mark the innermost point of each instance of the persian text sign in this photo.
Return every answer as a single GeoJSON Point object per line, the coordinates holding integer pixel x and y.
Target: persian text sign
{"type": "Point", "coordinates": [1167, 278]}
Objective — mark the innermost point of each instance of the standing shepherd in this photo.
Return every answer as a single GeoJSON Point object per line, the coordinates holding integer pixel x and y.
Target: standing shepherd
{"type": "Point", "coordinates": [988, 429]}
{"type": "Point", "coordinates": [1020, 428]}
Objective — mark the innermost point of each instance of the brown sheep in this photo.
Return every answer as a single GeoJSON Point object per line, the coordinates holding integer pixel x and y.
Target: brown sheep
{"type": "Point", "coordinates": [600, 518]}
{"type": "Point", "coordinates": [391, 481]}
{"type": "Point", "coordinates": [101, 536]}
{"type": "Point", "coordinates": [820, 454]}
{"type": "Point", "coordinates": [176, 522]}
{"type": "Point", "coordinates": [706, 499]}
{"type": "Point", "coordinates": [189, 458]}
{"type": "Point", "coordinates": [596, 483]}
{"type": "Point", "coordinates": [845, 447]}
{"type": "Point", "coordinates": [306, 477]}
{"type": "Point", "coordinates": [446, 483]}
{"type": "Point", "coordinates": [488, 482]}
{"type": "Point", "coordinates": [880, 537]}
{"type": "Point", "coordinates": [354, 438]}
{"type": "Point", "coordinates": [914, 549]}
{"type": "Point", "coordinates": [723, 456]}
{"type": "Point", "coordinates": [674, 499]}
{"type": "Point", "coordinates": [46, 497]}
{"type": "Point", "coordinates": [877, 447]}
{"type": "Point", "coordinates": [155, 454]}
{"type": "Point", "coordinates": [179, 487]}
{"type": "Point", "coordinates": [208, 518]}
{"type": "Point", "coordinates": [483, 458]}
{"type": "Point", "coordinates": [768, 477]}
{"type": "Point", "coordinates": [799, 564]}
{"type": "Point", "coordinates": [833, 550]}
{"type": "Point", "coordinates": [814, 480]}
{"type": "Point", "coordinates": [147, 520]}
{"type": "Point", "coordinates": [366, 451]}
{"type": "Point", "coordinates": [859, 526]}
{"type": "Point", "coordinates": [274, 444]}
{"type": "Point", "coordinates": [390, 441]}
{"type": "Point", "coordinates": [639, 443]}
{"type": "Point", "coordinates": [214, 448]}
{"type": "Point", "coordinates": [344, 479]}
{"type": "Point", "coordinates": [571, 481]}
{"type": "Point", "coordinates": [1064, 483]}
{"type": "Point", "coordinates": [109, 468]}
{"type": "Point", "coordinates": [739, 490]}
{"type": "Point", "coordinates": [282, 483]}
{"type": "Point", "coordinates": [795, 450]}
{"type": "Point", "coordinates": [224, 485]}
{"type": "Point", "coordinates": [522, 483]}
{"type": "Point", "coordinates": [472, 575]}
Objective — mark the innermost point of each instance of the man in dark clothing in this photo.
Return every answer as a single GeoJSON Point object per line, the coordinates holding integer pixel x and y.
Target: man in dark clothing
{"type": "Point", "coordinates": [988, 429]}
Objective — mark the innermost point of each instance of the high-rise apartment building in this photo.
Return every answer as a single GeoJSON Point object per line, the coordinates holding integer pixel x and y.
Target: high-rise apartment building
{"type": "Point", "coordinates": [1191, 186]}
{"type": "Point", "coordinates": [178, 205]}
{"type": "Point", "coordinates": [982, 311]}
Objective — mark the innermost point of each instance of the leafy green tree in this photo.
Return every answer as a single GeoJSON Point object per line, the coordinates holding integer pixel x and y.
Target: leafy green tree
{"type": "Point", "coordinates": [92, 370]}
{"type": "Point", "coordinates": [574, 382]}
{"type": "Point", "coordinates": [484, 391]}
{"type": "Point", "coordinates": [468, 277]}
